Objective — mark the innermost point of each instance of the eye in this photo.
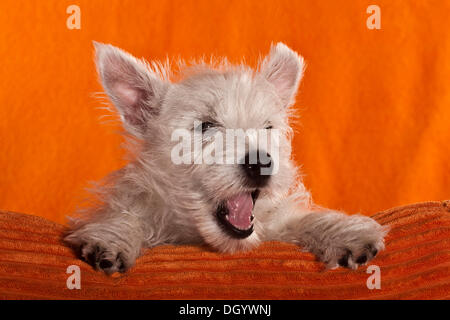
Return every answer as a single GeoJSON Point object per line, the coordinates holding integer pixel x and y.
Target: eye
{"type": "Point", "coordinates": [207, 125]}
{"type": "Point", "coordinates": [268, 127]}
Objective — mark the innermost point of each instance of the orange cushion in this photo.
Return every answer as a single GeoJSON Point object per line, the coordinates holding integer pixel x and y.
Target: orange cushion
{"type": "Point", "coordinates": [415, 265]}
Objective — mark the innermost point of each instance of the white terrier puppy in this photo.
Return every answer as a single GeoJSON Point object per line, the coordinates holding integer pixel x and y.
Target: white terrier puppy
{"type": "Point", "coordinates": [156, 199]}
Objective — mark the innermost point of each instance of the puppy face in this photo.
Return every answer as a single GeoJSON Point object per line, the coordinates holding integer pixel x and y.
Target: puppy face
{"type": "Point", "coordinates": [220, 136]}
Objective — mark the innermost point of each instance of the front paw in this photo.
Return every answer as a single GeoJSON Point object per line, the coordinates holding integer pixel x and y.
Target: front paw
{"type": "Point", "coordinates": [107, 255]}
{"type": "Point", "coordinates": [352, 256]}
{"type": "Point", "coordinates": [108, 260]}
{"type": "Point", "coordinates": [354, 242]}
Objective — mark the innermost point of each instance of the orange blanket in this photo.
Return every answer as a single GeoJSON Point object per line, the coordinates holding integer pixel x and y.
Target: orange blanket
{"type": "Point", "coordinates": [374, 104]}
{"type": "Point", "coordinates": [415, 265]}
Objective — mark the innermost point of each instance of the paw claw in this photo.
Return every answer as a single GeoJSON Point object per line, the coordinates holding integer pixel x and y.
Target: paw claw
{"type": "Point", "coordinates": [343, 262]}
{"type": "Point", "coordinates": [121, 266]}
{"type": "Point", "coordinates": [91, 258]}
{"type": "Point", "coordinates": [361, 259]}
{"type": "Point", "coordinates": [373, 251]}
{"type": "Point", "coordinates": [105, 264]}
{"type": "Point", "coordinates": [365, 254]}
{"type": "Point", "coordinates": [102, 259]}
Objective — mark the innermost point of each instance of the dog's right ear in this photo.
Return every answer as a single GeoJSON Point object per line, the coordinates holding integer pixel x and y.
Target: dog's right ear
{"type": "Point", "coordinates": [134, 89]}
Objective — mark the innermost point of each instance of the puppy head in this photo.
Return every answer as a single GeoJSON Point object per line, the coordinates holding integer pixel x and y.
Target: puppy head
{"type": "Point", "coordinates": [219, 137]}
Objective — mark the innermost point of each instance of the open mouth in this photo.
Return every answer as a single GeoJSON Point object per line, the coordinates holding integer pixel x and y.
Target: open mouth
{"type": "Point", "coordinates": [235, 215]}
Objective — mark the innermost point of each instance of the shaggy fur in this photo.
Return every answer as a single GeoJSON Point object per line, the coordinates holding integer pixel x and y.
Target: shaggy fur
{"type": "Point", "coordinates": [153, 201]}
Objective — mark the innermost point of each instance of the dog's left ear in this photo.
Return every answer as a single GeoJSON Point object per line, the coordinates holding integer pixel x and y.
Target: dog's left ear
{"type": "Point", "coordinates": [134, 89]}
{"type": "Point", "coordinates": [283, 68]}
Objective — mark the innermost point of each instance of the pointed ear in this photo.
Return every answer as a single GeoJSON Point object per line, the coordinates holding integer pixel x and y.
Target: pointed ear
{"type": "Point", "coordinates": [133, 88]}
{"type": "Point", "coordinates": [283, 68]}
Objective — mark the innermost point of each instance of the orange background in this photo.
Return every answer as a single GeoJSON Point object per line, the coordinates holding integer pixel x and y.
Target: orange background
{"type": "Point", "coordinates": [374, 104]}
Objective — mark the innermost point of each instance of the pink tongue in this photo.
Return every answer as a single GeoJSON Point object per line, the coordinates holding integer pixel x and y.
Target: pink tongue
{"type": "Point", "coordinates": [240, 209]}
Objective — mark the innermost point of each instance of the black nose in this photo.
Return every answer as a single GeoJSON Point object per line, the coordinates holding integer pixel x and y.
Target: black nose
{"type": "Point", "coordinates": [257, 168]}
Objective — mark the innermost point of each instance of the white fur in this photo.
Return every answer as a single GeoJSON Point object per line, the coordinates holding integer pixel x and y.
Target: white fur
{"type": "Point", "coordinates": [152, 201]}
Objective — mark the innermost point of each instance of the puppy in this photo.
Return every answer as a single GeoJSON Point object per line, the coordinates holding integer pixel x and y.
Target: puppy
{"type": "Point", "coordinates": [169, 194]}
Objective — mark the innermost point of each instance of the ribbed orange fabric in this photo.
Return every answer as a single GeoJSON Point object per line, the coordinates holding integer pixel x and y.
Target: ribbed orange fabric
{"type": "Point", "coordinates": [415, 265]}
{"type": "Point", "coordinates": [374, 104]}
